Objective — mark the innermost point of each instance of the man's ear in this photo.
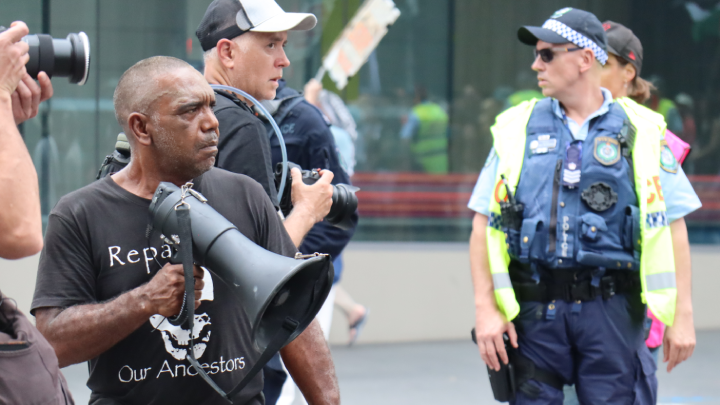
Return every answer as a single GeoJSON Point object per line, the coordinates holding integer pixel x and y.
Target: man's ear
{"type": "Point", "coordinates": [138, 124]}
{"type": "Point", "coordinates": [587, 60]}
{"type": "Point", "coordinates": [225, 49]}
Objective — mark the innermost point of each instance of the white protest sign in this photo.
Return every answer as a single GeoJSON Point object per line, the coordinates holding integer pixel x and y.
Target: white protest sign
{"type": "Point", "coordinates": [359, 38]}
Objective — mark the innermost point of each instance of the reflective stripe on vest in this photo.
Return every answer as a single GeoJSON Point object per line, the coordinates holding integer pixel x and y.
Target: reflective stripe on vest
{"type": "Point", "coordinates": [657, 263]}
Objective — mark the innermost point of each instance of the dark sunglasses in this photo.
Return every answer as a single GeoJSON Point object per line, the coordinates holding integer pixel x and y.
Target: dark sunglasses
{"type": "Point", "coordinates": [548, 54]}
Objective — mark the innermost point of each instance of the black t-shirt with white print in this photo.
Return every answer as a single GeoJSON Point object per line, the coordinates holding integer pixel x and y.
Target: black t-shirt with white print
{"type": "Point", "coordinates": [96, 249]}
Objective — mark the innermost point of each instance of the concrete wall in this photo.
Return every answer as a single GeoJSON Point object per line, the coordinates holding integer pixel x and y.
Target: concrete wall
{"type": "Point", "coordinates": [423, 291]}
{"type": "Point", "coordinates": [415, 291]}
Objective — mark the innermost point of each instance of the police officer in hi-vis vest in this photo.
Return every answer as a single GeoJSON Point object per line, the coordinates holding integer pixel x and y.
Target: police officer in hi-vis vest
{"type": "Point", "coordinates": [579, 226]}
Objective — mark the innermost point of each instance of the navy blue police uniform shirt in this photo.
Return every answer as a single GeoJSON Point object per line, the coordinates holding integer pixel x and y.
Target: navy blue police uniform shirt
{"type": "Point", "coordinates": [243, 145]}
{"type": "Point", "coordinates": [311, 145]}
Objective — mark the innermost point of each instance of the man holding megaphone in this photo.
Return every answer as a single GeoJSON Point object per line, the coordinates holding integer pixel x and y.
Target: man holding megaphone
{"type": "Point", "coordinates": [106, 290]}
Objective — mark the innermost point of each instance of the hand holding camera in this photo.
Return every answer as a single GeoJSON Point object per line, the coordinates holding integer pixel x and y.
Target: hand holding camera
{"type": "Point", "coordinates": [13, 57]}
{"type": "Point", "coordinates": [314, 199]}
{"type": "Point", "coordinates": [27, 97]}
{"type": "Point", "coordinates": [343, 202]}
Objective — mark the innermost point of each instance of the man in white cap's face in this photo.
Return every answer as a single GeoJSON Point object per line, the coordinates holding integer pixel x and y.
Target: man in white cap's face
{"type": "Point", "coordinates": [252, 62]}
{"type": "Point", "coordinates": [244, 43]}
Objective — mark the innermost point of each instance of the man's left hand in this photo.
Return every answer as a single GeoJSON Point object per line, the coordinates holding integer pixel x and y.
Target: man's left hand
{"type": "Point", "coordinates": [28, 95]}
{"type": "Point", "coordinates": [679, 341]}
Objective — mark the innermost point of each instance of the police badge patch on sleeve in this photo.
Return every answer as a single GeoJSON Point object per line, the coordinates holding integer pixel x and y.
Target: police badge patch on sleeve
{"type": "Point", "coordinates": [667, 159]}
{"type": "Point", "coordinates": [606, 150]}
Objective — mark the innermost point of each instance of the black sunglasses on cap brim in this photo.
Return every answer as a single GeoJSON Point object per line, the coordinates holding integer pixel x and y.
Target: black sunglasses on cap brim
{"type": "Point", "coordinates": [548, 54]}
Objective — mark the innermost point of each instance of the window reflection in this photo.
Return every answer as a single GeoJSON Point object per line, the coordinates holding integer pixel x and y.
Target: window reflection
{"type": "Point", "coordinates": [423, 103]}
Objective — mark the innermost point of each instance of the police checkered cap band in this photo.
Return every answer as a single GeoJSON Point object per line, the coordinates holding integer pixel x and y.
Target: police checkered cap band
{"type": "Point", "coordinates": [576, 38]}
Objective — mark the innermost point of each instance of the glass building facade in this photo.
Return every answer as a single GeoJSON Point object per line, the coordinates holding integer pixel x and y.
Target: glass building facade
{"type": "Point", "coordinates": [462, 57]}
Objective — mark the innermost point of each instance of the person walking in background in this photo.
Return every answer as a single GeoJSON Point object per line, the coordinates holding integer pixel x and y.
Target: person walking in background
{"type": "Point", "coordinates": [664, 106]}
{"type": "Point", "coordinates": [310, 144]}
{"type": "Point", "coordinates": [426, 129]}
{"type": "Point", "coordinates": [344, 130]}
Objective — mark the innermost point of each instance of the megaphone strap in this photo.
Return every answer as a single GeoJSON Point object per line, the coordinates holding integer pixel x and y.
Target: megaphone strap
{"type": "Point", "coordinates": [187, 310]}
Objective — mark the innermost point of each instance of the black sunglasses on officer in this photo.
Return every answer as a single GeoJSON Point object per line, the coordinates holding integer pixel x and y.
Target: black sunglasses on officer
{"type": "Point", "coordinates": [548, 54]}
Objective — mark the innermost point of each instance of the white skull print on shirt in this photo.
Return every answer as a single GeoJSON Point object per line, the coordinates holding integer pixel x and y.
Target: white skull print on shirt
{"type": "Point", "coordinates": [177, 338]}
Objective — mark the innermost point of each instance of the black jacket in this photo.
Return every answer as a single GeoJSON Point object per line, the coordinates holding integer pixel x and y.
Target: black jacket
{"type": "Point", "coordinates": [243, 145]}
{"type": "Point", "coordinates": [311, 145]}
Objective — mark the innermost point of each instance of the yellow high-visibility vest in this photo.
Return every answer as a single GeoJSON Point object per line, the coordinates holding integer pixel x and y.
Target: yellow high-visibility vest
{"type": "Point", "coordinates": [657, 262]}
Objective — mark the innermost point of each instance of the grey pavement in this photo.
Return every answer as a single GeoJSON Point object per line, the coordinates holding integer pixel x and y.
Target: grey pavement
{"type": "Point", "coordinates": [452, 373]}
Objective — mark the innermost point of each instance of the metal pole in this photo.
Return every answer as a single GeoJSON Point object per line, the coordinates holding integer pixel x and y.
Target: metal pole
{"type": "Point", "coordinates": [45, 131]}
{"type": "Point", "coordinates": [96, 58]}
{"type": "Point", "coordinates": [450, 75]}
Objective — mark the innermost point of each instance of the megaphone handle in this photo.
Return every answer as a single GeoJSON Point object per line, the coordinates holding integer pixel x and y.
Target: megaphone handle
{"type": "Point", "coordinates": [289, 327]}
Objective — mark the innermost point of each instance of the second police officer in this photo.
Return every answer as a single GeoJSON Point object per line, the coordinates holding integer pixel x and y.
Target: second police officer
{"type": "Point", "coordinates": [587, 233]}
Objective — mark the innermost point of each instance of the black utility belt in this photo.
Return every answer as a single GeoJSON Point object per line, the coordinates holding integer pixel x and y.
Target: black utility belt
{"type": "Point", "coordinates": [583, 290]}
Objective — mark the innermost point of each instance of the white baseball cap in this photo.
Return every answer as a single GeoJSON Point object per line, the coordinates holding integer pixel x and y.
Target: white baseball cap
{"type": "Point", "coordinates": [231, 18]}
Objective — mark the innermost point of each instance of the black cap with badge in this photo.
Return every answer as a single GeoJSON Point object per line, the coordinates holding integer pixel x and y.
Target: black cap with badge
{"type": "Point", "coordinates": [569, 25]}
{"type": "Point", "coordinates": [622, 42]}
{"type": "Point", "coordinates": [227, 19]}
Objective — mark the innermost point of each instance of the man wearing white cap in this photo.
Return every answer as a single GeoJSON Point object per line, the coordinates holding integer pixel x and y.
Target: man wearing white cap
{"type": "Point", "coordinates": [244, 41]}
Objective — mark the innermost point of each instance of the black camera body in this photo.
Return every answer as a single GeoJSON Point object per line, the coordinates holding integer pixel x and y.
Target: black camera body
{"type": "Point", "coordinates": [344, 200]}
{"type": "Point", "coordinates": [69, 57]}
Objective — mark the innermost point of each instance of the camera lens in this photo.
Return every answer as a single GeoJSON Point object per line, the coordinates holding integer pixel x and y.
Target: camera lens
{"type": "Point", "coordinates": [343, 207]}
{"type": "Point", "coordinates": [69, 57]}
{"type": "Point", "coordinates": [344, 200]}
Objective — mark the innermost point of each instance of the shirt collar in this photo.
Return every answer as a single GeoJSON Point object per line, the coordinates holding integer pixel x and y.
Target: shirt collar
{"type": "Point", "coordinates": [232, 97]}
{"type": "Point", "coordinates": [604, 108]}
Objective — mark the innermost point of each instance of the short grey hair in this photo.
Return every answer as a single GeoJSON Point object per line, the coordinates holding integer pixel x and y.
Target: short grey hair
{"type": "Point", "coordinates": [137, 88]}
{"type": "Point", "coordinates": [211, 54]}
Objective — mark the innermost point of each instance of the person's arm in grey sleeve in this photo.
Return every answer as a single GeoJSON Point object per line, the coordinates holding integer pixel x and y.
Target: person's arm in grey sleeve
{"type": "Point", "coordinates": [21, 225]}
